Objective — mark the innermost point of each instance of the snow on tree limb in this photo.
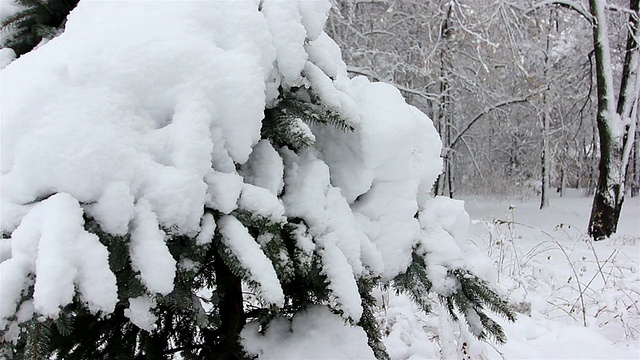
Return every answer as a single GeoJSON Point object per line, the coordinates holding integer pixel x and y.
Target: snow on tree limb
{"type": "Point", "coordinates": [573, 5]}
{"type": "Point", "coordinates": [238, 240]}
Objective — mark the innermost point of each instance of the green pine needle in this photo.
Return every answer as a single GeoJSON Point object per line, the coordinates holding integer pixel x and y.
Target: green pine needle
{"type": "Point", "coordinates": [471, 298]}
{"type": "Point", "coordinates": [282, 125]}
{"type": "Point", "coordinates": [415, 282]}
{"type": "Point", "coordinates": [473, 295]}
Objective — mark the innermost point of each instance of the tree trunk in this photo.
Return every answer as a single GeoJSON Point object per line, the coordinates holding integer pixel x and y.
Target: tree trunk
{"type": "Point", "coordinates": [232, 319]}
{"type": "Point", "coordinates": [635, 174]}
{"type": "Point", "coordinates": [443, 184]}
{"type": "Point", "coordinates": [544, 198]}
{"type": "Point", "coordinates": [544, 158]}
{"type": "Point", "coordinates": [451, 179]}
{"type": "Point", "coordinates": [592, 184]}
{"type": "Point", "coordinates": [616, 126]}
{"type": "Point", "coordinates": [562, 185]}
{"type": "Point", "coordinates": [451, 155]}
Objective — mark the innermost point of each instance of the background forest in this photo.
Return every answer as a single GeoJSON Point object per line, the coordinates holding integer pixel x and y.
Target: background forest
{"type": "Point", "coordinates": [510, 85]}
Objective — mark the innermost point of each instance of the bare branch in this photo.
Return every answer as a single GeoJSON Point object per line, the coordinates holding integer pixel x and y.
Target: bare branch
{"type": "Point", "coordinates": [368, 73]}
{"type": "Point", "coordinates": [485, 112]}
{"type": "Point", "coordinates": [570, 4]}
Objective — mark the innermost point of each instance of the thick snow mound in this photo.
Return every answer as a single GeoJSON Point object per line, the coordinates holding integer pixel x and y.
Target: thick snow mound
{"type": "Point", "coordinates": [63, 254]}
{"type": "Point", "coordinates": [313, 334]}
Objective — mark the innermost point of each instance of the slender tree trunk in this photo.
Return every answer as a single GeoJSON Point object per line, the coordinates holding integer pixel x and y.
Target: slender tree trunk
{"type": "Point", "coordinates": [562, 185]}
{"type": "Point", "coordinates": [444, 130]}
{"type": "Point", "coordinates": [592, 184]}
{"type": "Point", "coordinates": [616, 126]}
{"type": "Point", "coordinates": [544, 198]}
{"type": "Point", "coordinates": [443, 182]}
{"type": "Point", "coordinates": [635, 174]}
{"type": "Point", "coordinates": [232, 318]}
{"type": "Point", "coordinates": [451, 179]}
{"type": "Point", "coordinates": [451, 156]}
{"type": "Point", "coordinates": [544, 158]}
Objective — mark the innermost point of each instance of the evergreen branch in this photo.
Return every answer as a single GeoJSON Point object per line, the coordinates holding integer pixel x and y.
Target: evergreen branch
{"type": "Point", "coordinates": [234, 264]}
{"type": "Point", "coordinates": [286, 123]}
{"type": "Point", "coordinates": [480, 291]}
{"type": "Point", "coordinates": [37, 21]}
{"type": "Point", "coordinates": [274, 247]}
{"type": "Point", "coordinates": [325, 115]}
{"type": "Point", "coordinates": [16, 19]}
{"type": "Point", "coordinates": [302, 259]}
{"type": "Point", "coordinates": [473, 295]}
{"type": "Point", "coordinates": [64, 323]}
{"type": "Point", "coordinates": [415, 282]}
{"type": "Point", "coordinates": [282, 126]}
{"type": "Point", "coordinates": [493, 328]}
{"type": "Point", "coordinates": [37, 342]}
{"type": "Point", "coordinates": [368, 320]}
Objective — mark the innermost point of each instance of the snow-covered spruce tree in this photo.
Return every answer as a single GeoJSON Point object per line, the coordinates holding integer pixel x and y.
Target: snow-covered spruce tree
{"type": "Point", "coordinates": [35, 21]}
{"type": "Point", "coordinates": [201, 179]}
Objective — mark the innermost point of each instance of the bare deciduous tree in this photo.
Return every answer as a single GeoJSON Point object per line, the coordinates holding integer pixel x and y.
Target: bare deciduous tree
{"type": "Point", "coordinates": [616, 123]}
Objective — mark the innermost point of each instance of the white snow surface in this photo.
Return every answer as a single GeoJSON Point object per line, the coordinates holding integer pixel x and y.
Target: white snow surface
{"type": "Point", "coordinates": [207, 229]}
{"type": "Point", "coordinates": [7, 55]}
{"type": "Point", "coordinates": [63, 254]}
{"type": "Point", "coordinates": [540, 254]}
{"type": "Point", "coordinates": [538, 279]}
{"type": "Point", "coordinates": [264, 168]}
{"type": "Point", "coordinates": [315, 333]}
{"type": "Point", "coordinates": [532, 272]}
{"type": "Point", "coordinates": [139, 312]}
{"type": "Point", "coordinates": [260, 201]}
{"type": "Point", "coordinates": [238, 240]}
{"type": "Point", "coordinates": [149, 252]}
{"type": "Point", "coordinates": [142, 126]}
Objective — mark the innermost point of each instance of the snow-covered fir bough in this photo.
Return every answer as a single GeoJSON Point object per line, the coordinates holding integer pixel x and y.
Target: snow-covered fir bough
{"type": "Point", "coordinates": [200, 179]}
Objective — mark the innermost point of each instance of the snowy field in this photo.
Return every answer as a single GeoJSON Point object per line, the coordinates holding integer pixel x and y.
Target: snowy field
{"type": "Point", "coordinates": [576, 299]}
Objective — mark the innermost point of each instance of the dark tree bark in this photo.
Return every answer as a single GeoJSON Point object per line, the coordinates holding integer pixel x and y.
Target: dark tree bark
{"type": "Point", "coordinates": [443, 114]}
{"type": "Point", "coordinates": [616, 124]}
{"type": "Point", "coordinates": [635, 166]}
{"type": "Point", "coordinates": [545, 154]}
{"type": "Point", "coordinates": [232, 317]}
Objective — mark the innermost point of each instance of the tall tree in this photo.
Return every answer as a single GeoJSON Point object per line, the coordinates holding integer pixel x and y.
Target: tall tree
{"type": "Point", "coordinates": [616, 124]}
{"type": "Point", "coordinates": [545, 153]}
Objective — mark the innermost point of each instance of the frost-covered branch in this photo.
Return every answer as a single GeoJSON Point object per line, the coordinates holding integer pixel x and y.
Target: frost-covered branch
{"type": "Point", "coordinates": [369, 73]}
{"type": "Point", "coordinates": [486, 111]}
{"type": "Point", "coordinates": [570, 4]}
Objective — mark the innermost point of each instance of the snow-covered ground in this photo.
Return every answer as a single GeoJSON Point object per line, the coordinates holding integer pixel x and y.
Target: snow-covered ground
{"type": "Point", "coordinates": [576, 299]}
